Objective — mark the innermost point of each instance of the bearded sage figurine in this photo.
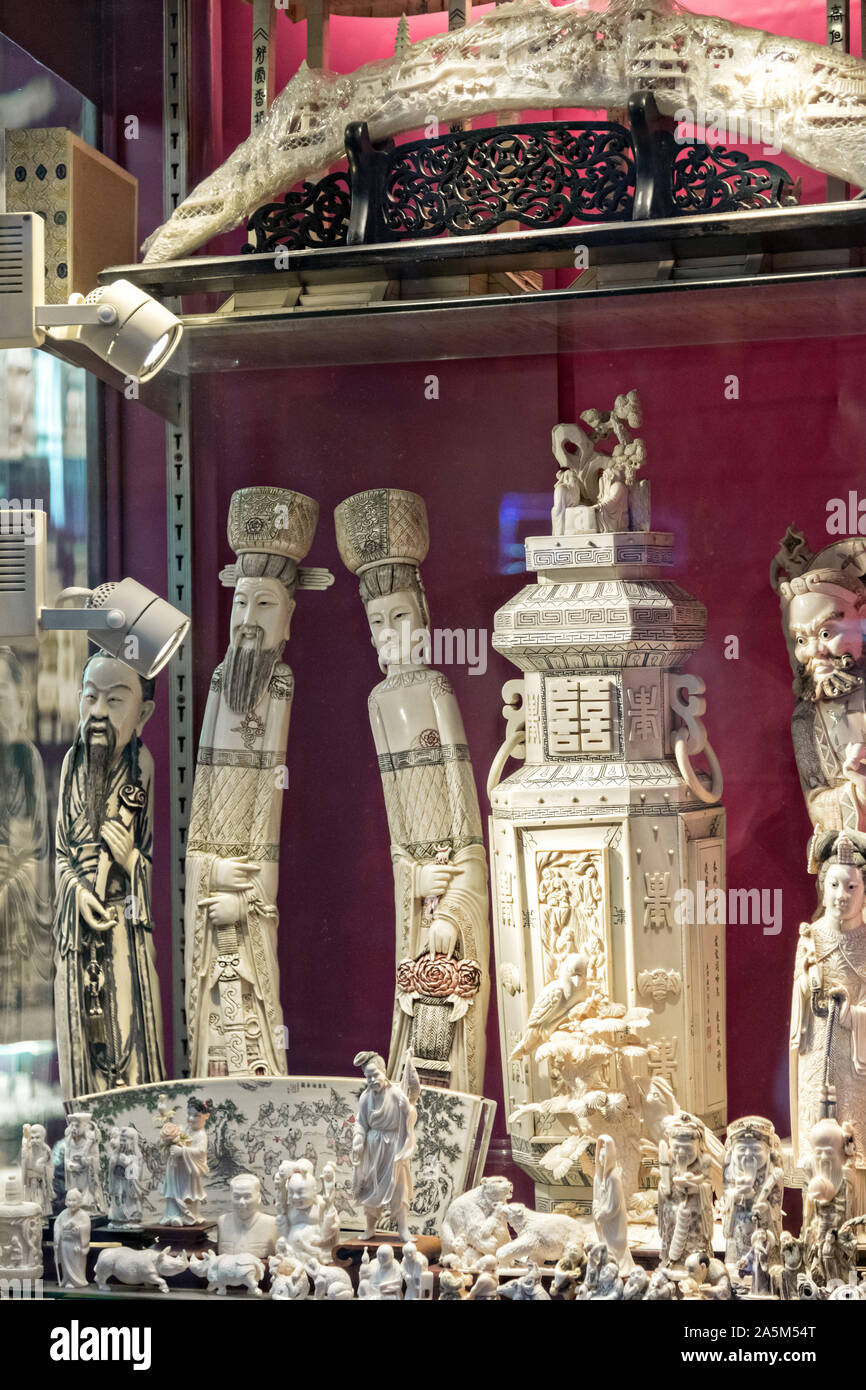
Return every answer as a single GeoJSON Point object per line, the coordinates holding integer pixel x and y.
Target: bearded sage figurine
{"type": "Point", "coordinates": [437, 849]}
{"type": "Point", "coordinates": [233, 1012]}
{"type": "Point", "coordinates": [106, 992]}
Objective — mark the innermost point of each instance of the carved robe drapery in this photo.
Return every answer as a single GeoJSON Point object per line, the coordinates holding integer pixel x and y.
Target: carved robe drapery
{"type": "Point", "coordinates": [431, 802]}
{"type": "Point", "coordinates": [821, 731]}
{"type": "Point", "coordinates": [236, 807]}
{"type": "Point", "coordinates": [124, 955]}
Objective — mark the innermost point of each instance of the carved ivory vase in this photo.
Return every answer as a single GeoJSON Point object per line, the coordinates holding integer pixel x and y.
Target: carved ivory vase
{"type": "Point", "coordinates": [595, 837]}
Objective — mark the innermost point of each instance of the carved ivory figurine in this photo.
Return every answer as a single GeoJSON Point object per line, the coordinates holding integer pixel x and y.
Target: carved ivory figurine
{"type": "Point", "coordinates": [72, 1242]}
{"type": "Point", "coordinates": [753, 1185]}
{"type": "Point", "coordinates": [834, 1195]}
{"type": "Point", "coordinates": [37, 1172]}
{"type": "Point", "coordinates": [126, 1188]}
{"type": "Point", "coordinates": [232, 981]}
{"type": "Point", "coordinates": [609, 1204]}
{"type": "Point", "coordinates": [828, 1015]}
{"type": "Point", "coordinates": [81, 1160]}
{"type": "Point", "coordinates": [185, 1166]}
{"type": "Point", "coordinates": [383, 1143]}
{"type": "Point", "coordinates": [106, 993]}
{"type": "Point", "coordinates": [685, 1193]}
{"type": "Point", "coordinates": [593, 490]}
{"type": "Point", "coordinates": [437, 846]}
{"type": "Point", "coordinates": [823, 605]}
{"type": "Point", "coordinates": [246, 1229]}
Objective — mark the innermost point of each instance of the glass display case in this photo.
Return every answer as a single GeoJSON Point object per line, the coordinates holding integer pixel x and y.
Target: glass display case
{"type": "Point", "coordinates": [433, 325]}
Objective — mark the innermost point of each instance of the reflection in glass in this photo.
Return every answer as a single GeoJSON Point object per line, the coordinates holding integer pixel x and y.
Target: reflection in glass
{"type": "Point", "coordinates": [25, 903]}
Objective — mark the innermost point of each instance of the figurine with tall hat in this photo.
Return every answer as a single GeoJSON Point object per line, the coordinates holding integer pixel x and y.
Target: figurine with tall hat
{"type": "Point", "coordinates": [234, 1017]}
{"type": "Point", "coordinates": [437, 847]}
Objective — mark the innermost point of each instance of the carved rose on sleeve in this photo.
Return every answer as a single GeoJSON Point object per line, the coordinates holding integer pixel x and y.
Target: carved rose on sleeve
{"type": "Point", "coordinates": [439, 977]}
{"type": "Point", "coordinates": [468, 979]}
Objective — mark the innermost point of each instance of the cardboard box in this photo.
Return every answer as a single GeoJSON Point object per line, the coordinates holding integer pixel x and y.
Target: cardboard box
{"type": "Point", "coordinates": [90, 206]}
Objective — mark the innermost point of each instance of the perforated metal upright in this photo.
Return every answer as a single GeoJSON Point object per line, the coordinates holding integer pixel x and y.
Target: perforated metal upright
{"type": "Point", "coordinates": [179, 516]}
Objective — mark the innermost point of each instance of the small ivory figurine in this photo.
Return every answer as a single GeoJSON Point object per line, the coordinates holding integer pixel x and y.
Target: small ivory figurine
{"type": "Point", "coordinates": [757, 1263]}
{"type": "Point", "coordinates": [289, 1280]}
{"type": "Point", "coordinates": [246, 1229]}
{"type": "Point", "coordinates": [307, 1222]}
{"type": "Point", "coordinates": [437, 841]}
{"type": "Point", "coordinates": [829, 1004]}
{"type": "Point", "coordinates": [636, 1286]}
{"type": "Point", "coordinates": [608, 1204]}
{"type": "Point", "coordinates": [833, 1194]}
{"type": "Point", "coordinates": [662, 1288]}
{"type": "Point", "coordinates": [185, 1166]}
{"type": "Point", "coordinates": [753, 1183]}
{"type": "Point", "coordinates": [540, 1236]}
{"type": "Point", "coordinates": [569, 1271]}
{"type": "Point", "coordinates": [791, 1268]}
{"type": "Point", "coordinates": [593, 489]}
{"type": "Point", "coordinates": [330, 1282]}
{"type": "Point", "coordinates": [72, 1242]}
{"type": "Point", "coordinates": [417, 1280]}
{"type": "Point", "coordinates": [81, 1160]}
{"type": "Point", "coordinates": [383, 1143]}
{"type": "Point", "coordinates": [385, 1280]}
{"type": "Point", "coordinates": [37, 1171]}
{"type": "Point", "coordinates": [486, 1286]}
{"type": "Point", "coordinates": [222, 1272]}
{"type": "Point", "coordinates": [526, 1288]}
{"type": "Point", "coordinates": [147, 1269]}
{"type": "Point", "coordinates": [453, 1282]}
{"type": "Point", "coordinates": [478, 1220]}
{"type": "Point", "coordinates": [685, 1213]}
{"type": "Point", "coordinates": [126, 1188]}
{"type": "Point", "coordinates": [710, 1276]}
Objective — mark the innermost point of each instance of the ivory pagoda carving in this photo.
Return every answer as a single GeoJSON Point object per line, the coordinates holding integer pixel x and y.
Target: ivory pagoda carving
{"type": "Point", "coordinates": [607, 844]}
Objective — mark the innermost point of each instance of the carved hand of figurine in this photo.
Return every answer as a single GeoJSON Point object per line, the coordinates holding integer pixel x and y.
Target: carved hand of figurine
{"type": "Point", "coordinates": [223, 909]}
{"type": "Point", "coordinates": [357, 1150]}
{"type": "Point", "coordinates": [854, 768]}
{"type": "Point", "coordinates": [234, 875]}
{"type": "Point", "coordinates": [93, 911]}
{"type": "Point", "coordinates": [433, 879]}
{"type": "Point", "coordinates": [121, 842]}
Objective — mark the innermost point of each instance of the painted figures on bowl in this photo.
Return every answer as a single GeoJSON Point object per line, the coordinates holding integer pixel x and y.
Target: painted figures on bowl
{"type": "Point", "coordinates": [185, 1166]}
{"type": "Point", "coordinates": [106, 992]}
{"type": "Point", "coordinates": [126, 1186]}
{"type": "Point", "coordinates": [246, 1229]}
{"type": "Point", "coordinates": [81, 1160]}
{"type": "Point", "coordinates": [437, 843]}
{"type": "Point", "coordinates": [233, 1008]}
{"type": "Point", "coordinates": [753, 1186]}
{"type": "Point", "coordinates": [383, 1142]}
{"type": "Point", "coordinates": [37, 1171]}
{"type": "Point", "coordinates": [72, 1242]}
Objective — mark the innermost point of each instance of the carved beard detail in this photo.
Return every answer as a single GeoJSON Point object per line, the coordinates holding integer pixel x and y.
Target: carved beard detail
{"type": "Point", "coordinates": [247, 670]}
{"type": "Point", "coordinates": [845, 678]}
{"type": "Point", "coordinates": [98, 763]}
{"type": "Point", "coordinates": [829, 1167]}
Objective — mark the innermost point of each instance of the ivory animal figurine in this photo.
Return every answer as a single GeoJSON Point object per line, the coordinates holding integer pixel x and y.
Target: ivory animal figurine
{"type": "Point", "coordinates": [146, 1268]}
{"type": "Point", "coordinates": [478, 1221]}
{"type": "Point", "coordinates": [486, 1286]}
{"type": "Point", "coordinates": [537, 55]}
{"type": "Point", "coordinates": [231, 923]}
{"type": "Point", "coordinates": [330, 1282]}
{"type": "Point", "coordinates": [37, 1173]}
{"type": "Point", "coordinates": [106, 992]}
{"type": "Point", "coordinates": [753, 1185]}
{"type": "Point", "coordinates": [437, 843]}
{"type": "Point", "coordinates": [289, 1281]}
{"type": "Point", "coordinates": [828, 1012]}
{"type": "Point", "coordinates": [556, 1002]}
{"type": "Point", "coordinates": [72, 1242]}
{"type": "Point", "coordinates": [540, 1237]}
{"type": "Point", "coordinates": [246, 1229]}
{"type": "Point", "coordinates": [223, 1272]}
{"type": "Point", "coordinates": [383, 1142]}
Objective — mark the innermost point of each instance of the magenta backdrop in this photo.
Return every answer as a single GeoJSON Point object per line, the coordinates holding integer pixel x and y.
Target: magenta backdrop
{"type": "Point", "coordinates": [728, 477]}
